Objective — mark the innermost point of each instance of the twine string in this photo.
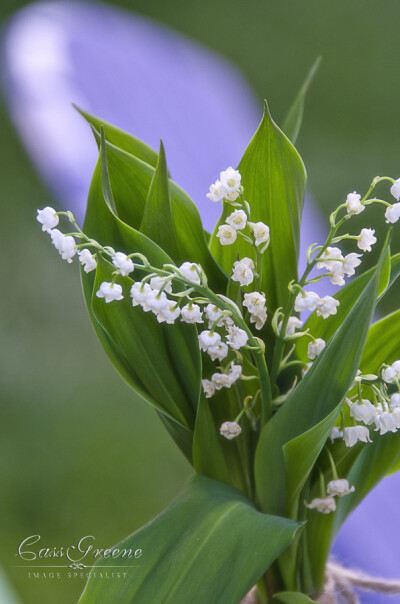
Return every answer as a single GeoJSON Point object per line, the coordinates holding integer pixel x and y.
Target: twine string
{"type": "Point", "coordinates": [340, 585]}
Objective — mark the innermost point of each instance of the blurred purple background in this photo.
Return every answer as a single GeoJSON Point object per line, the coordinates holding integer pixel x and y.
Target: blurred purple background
{"type": "Point", "coordinates": [155, 84]}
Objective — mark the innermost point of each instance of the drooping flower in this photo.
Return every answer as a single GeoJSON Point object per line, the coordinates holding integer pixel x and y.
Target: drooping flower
{"type": "Point", "coordinates": [260, 232]}
{"type": "Point", "coordinates": [327, 306]}
{"type": "Point", "coordinates": [64, 244]}
{"type": "Point", "coordinates": [259, 318]}
{"type": "Point", "coordinates": [110, 291]}
{"type": "Point", "coordinates": [254, 301]}
{"type": "Point", "coordinates": [325, 505]}
{"type": "Point", "coordinates": [217, 192]}
{"type": "Point", "coordinates": [395, 189]}
{"type": "Point", "coordinates": [363, 412]}
{"type": "Point", "coordinates": [231, 180]}
{"type": "Point", "coordinates": [169, 313]}
{"type": "Point", "coordinates": [190, 271]}
{"type": "Point", "coordinates": [160, 282]}
{"type": "Point", "coordinates": [395, 401]}
{"type": "Point", "coordinates": [315, 348]}
{"type": "Point", "coordinates": [218, 351]}
{"type": "Point", "coordinates": [293, 324]}
{"type": "Point", "coordinates": [366, 239]}
{"type": "Point", "coordinates": [123, 263]}
{"type": "Point", "coordinates": [243, 271]}
{"type": "Point", "coordinates": [87, 260]}
{"type": "Point", "coordinates": [391, 373]}
{"type": "Point", "coordinates": [212, 313]}
{"type": "Point", "coordinates": [392, 214]}
{"type": "Point", "coordinates": [339, 488]}
{"type": "Point", "coordinates": [351, 261]}
{"type": "Point", "coordinates": [237, 220]}
{"type": "Point", "coordinates": [330, 259]}
{"type": "Point", "coordinates": [138, 294]}
{"type": "Point", "coordinates": [353, 203]}
{"type": "Point", "coordinates": [208, 339]}
{"type": "Point", "coordinates": [48, 218]}
{"type": "Point", "coordinates": [220, 380]}
{"type": "Point", "coordinates": [230, 430]}
{"type": "Point", "coordinates": [155, 301]}
{"type": "Point", "coordinates": [306, 301]}
{"type": "Point", "coordinates": [226, 234]}
{"type": "Point", "coordinates": [225, 380]}
{"type": "Point", "coordinates": [191, 313]}
{"type": "Point", "coordinates": [208, 388]}
{"type": "Point", "coordinates": [353, 434]}
{"type": "Point", "coordinates": [385, 422]}
{"type": "Point", "coordinates": [237, 337]}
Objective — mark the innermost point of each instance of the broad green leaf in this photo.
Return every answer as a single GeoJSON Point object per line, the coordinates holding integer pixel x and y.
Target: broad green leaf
{"type": "Point", "coordinates": [121, 139]}
{"type": "Point", "coordinates": [383, 344]}
{"type": "Point", "coordinates": [317, 395]}
{"type": "Point", "coordinates": [208, 460]}
{"type": "Point", "coordinates": [291, 125]}
{"type": "Point", "coordinates": [128, 336]}
{"type": "Point", "coordinates": [140, 340]}
{"type": "Point", "coordinates": [157, 222]}
{"type": "Point", "coordinates": [130, 183]}
{"type": "Point", "coordinates": [274, 179]}
{"type": "Point", "coordinates": [300, 454]}
{"type": "Point", "coordinates": [291, 597]}
{"type": "Point", "coordinates": [322, 328]}
{"type": "Point", "coordinates": [211, 545]}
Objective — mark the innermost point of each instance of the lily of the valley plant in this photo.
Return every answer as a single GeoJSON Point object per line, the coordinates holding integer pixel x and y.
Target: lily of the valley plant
{"type": "Point", "coordinates": [286, 403]}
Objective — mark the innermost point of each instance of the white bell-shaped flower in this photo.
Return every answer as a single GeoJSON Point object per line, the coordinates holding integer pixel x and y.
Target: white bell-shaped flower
{"type": "Point", "coordinates": [110, 291]}
{"type": "Point", "coordinates": [47, 218]}
{"type": "Point", "coordinates": [230, 430]}
{"type": "Point", "coordinates": [366, 239]}
{"type": "Point", "coordinates": [353, 203]}
{"type": "Point", "coordinates": [339, 487]}
{"type": "Point", "coordinates": [325, 505]}
{"type": "Point", "coordinates": [395, 189]}
{"type": "Point", "coordinates": [87, 260]}
{"type": "Point", "coordinates": [226, 234]}
{"type": "Point", "coordinates": [354, 434]}
{"type": "Point", "coordinates": [237, 220]}
{"type": "Point", "coordinates": [123, 263]}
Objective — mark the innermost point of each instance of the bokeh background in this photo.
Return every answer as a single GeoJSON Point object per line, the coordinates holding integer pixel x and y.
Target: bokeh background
{"type": "Point", "coordinates": [79, 454]}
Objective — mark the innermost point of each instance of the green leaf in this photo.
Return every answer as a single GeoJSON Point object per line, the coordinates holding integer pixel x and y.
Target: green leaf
{"type": "Point", "coordinates": [211, 545]}
{"type": "Point", "coordinates": [140, 341]}
{"type": "Point", "coordinates": [322, 328]}
{"type": "Point", "coordinates": [317, 395]}
{"type": "Point", "coordinates": [157, 222]}
{"type": "Point", "coordinates": [130, 180]}
{"type": "Point", "coordinates": [382, 344]}
{"type": "Point", "coordinates": [274, 179]}
{"type": "Point", "coordinates": [121, 139]}
{"type": "Point", "coordinates": [300, 454]}
{"type": "Point", "coordinates": [137, 345]}
{"type": "Point", "coordinates": [291, 125]}
{"type": "Point", "coordinates": [291, 597]}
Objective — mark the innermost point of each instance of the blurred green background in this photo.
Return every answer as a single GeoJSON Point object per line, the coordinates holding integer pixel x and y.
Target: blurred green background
{"type": "Point", "coordinates": [79, 454]}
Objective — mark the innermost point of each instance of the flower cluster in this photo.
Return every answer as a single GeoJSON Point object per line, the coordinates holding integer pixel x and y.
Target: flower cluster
{"type": "Point", "coordinates": [226, 327]}
{"type": "Point", "coordinates": [383, 413]}
{"type": "Point", "coordinates": [226, 187]}
{"type": "Point", "coordinates": [338, 487]}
